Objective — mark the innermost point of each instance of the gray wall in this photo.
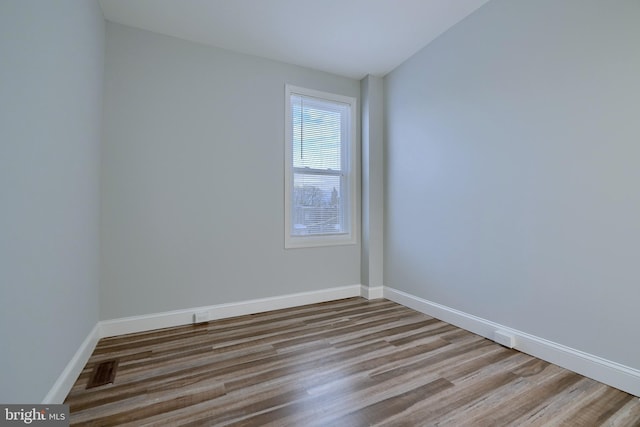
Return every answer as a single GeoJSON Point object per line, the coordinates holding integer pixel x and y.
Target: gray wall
{"type": "Point", "coordinates": [193, 182]}
{"type": "Point", "coordinates": [50, 113]}
{"type": "Point", "coordinates": [512, 171]}
{"type": "Point", "coordinates": [372, 258]}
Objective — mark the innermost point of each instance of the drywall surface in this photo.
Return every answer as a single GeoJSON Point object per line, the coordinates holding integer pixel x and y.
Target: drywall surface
{"type": "Point", "coordinates": [512, 171]}
{"type": "Point", "coordinates": [193, 178]}
{"type": "Point", "coordinates": [371, 88]}
{"type": "Point", "coordinates": [50, 117]}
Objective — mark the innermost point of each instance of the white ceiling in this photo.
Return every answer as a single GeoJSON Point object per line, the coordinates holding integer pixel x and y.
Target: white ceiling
{"type": "Point", "coordinates": [352, 38]}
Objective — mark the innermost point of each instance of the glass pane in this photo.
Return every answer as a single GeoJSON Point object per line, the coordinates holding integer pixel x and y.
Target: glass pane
{"type": "Point", "coordinates": [317, 205]}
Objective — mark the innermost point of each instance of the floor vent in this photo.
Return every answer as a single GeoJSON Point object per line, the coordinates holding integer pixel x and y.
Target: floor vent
{"type": "Point", "coordinates": [103, 373]}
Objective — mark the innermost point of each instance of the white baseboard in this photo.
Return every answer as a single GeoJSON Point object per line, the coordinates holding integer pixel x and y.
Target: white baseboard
{"type": "Point", "coordinates": [127, 325]}
{"type": "Point", "coordinates": [371, 292]}
{"type": "Point", "coordinates": [603, 370]}
{"type": "Point", "coordinates": [73, 369]}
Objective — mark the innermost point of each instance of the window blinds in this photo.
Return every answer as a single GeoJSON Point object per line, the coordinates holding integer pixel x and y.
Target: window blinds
{"type": "Point", "coordinates": [319, 140]}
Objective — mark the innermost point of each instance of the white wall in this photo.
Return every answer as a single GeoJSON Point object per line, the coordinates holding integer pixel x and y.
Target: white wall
{"type": "Point", "coordinates": [51, 56]}
{"type": "Point", "coordinates": [513, 145]}
{"type": "Point", "coordinates": [193, 182]}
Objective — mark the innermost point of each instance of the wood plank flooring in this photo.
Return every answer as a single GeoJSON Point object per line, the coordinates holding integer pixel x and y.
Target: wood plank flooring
{"type": "Point", "coordinates": [349, 362]}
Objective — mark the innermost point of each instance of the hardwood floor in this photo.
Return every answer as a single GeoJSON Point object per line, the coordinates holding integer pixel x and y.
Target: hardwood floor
{"type": "Point", "coordinates": [350, 362]}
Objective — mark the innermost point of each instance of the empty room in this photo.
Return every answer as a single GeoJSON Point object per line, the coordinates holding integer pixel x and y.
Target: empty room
{"type": "Point", "coordinates": [320, 213]}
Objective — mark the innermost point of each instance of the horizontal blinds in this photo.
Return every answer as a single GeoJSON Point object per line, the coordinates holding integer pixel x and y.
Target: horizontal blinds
{"type": "Point", "coordinates": [319, 135]}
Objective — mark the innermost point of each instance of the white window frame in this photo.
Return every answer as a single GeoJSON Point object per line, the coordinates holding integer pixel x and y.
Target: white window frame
{"type": "Point", "coordinates": [349, 165]}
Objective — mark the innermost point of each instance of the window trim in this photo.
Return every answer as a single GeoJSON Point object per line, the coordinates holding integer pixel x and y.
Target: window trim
{"type": "Point", "coordinates": [307, 241]}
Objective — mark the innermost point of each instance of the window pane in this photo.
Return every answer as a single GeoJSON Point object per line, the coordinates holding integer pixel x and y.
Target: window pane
{"type": "Point", "coordinates": [317, 133]}
{"type": "Point", "coordinates": [316, 204]}
{"type": "Point", "coordinates": [320, 169]}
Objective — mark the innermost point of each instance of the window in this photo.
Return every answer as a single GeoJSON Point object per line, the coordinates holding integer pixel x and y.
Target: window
{"type": "Point", "coordinates": [320, 183]}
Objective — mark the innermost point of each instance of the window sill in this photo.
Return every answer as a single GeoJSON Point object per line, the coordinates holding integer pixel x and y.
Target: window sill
{"type": "Point", "coordinates": [319, 241]}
